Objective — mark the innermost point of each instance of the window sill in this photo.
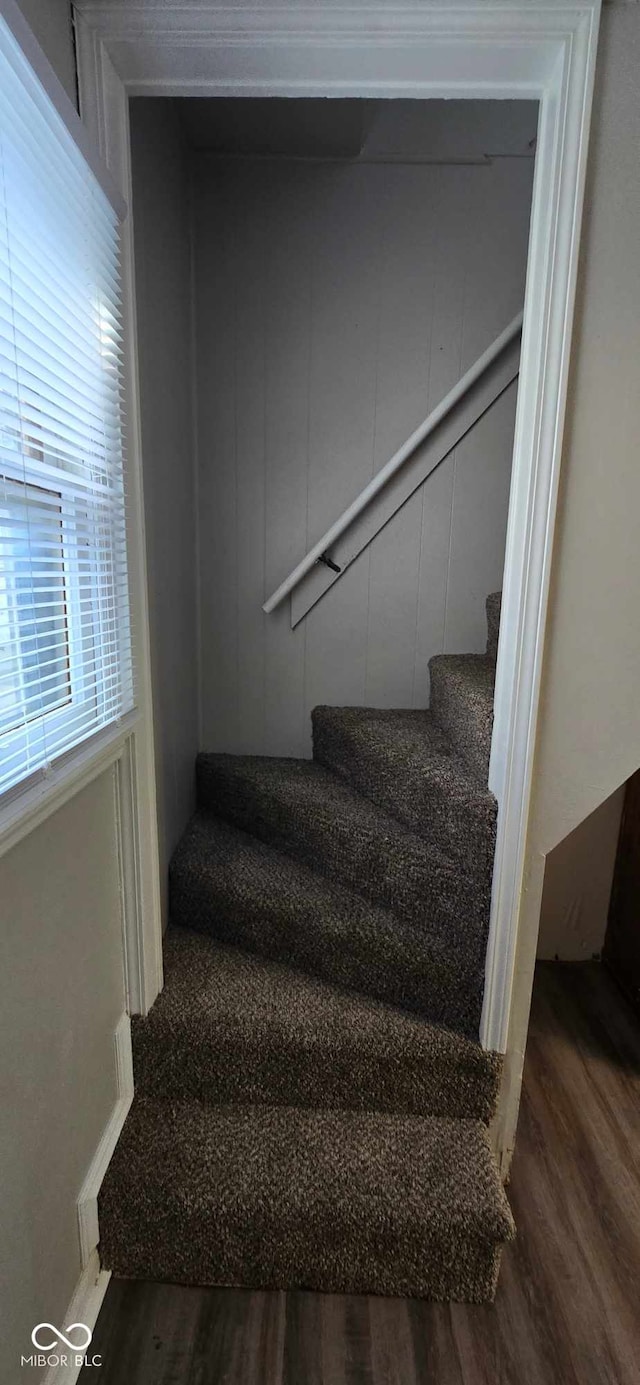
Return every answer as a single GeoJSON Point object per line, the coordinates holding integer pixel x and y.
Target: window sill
{"type": "Point", "coordinates": [25, 811]}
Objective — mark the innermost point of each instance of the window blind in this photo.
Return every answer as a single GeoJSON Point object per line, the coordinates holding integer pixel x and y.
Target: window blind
{"type": "Point", "coordinates": [65, 643]}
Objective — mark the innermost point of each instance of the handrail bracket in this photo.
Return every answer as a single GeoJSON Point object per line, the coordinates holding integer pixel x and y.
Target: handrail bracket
{"type": "Point", "coordinates": [328, 562]}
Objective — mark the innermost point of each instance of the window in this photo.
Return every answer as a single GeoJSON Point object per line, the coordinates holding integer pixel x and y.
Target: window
{"type": "Point", "coordinates": [34, 629]}
{"type": "Point", "coordinates": [65, 647]}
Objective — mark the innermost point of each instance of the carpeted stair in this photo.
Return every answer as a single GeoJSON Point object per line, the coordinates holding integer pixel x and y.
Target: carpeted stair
{"type": "Point", "coordinates": [230, 1027]}
{"type": "Point", "coordinates": [494, 605]}
{"type": "Point", "coordinates": [404, 762]}
{"type": "Point", "coordinates": [273, 1196]}
{"type": "Point", "coordinates": [462, 704]}
{"type": "Point", "coordinates": [239, 890]}
{"type": "Point", "coordinates": [312, 1101]}
{"type": "Point", "coordinates": [300, 809]}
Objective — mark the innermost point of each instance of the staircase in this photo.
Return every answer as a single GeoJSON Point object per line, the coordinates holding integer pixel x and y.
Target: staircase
{"type": "Point", "coordinates": [312, 1101]}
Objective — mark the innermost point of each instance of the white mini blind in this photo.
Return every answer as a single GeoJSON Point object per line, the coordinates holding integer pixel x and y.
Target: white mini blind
{"type": "Point", "coordinates": [65, 646]}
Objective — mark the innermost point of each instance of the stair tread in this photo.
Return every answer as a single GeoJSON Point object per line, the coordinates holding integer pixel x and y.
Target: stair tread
{"type": "Point", "coordinates": [408, 763]}
{"type": "Point", "coordinates": [278, 1196]}
{"type": "Point", "coordinates": [229, 1022]}
{"type": "Point", "coordinates": [233, 886]}
{"type": "Point", "coordinates": [300, 781]}
{"type": "Point", "coordinates": [308, 812]}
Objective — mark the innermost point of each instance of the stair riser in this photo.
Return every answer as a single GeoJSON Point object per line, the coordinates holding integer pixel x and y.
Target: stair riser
{"type": "Point", "coordinates": [468, 726]}
{"type": "Point", "coordinates": [465, 834]}
{"type": "Point", "coordinates": [260, 1257]}
{"type": "Point", "coordinates": [493, 623]}
{"type": "Point", "coordinates": [181, 1066]}
{"type": "Point", "coordinates": [416, 976]}
{"type": "Point", "coordinates": [404, 879]}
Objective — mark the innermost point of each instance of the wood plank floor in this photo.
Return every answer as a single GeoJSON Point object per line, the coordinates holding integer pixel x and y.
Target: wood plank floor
{"type": "Point", "coordinates": [568, 1304]}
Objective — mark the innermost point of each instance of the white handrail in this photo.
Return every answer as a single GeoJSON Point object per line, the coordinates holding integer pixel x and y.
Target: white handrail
{"type": "Point", "coordinates": [381, 477]}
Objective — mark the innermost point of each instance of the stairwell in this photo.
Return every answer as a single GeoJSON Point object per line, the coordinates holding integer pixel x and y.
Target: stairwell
{"type": "Point", "coordinates": [312, 1101]}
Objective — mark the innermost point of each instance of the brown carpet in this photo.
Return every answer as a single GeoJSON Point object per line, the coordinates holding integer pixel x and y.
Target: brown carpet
{"type": "Point", "coordinates": [312, 1102]}
{"type": "Point", "coordinates": [403, 762]}
{"type": "Point", "coordinates": [231, 1027]}
{"type": "Point", "coordinates": [228, 884]}
{"type": "Point", "coordinates": [274, 1196]}
{"type": "Point", "coordinates": [302, 809]}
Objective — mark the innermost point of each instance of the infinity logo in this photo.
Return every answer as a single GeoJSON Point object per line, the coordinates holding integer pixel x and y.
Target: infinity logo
{"type": "Point", "coordinates": [60, 1336]}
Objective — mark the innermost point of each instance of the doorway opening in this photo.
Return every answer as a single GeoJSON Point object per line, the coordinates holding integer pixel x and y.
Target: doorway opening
{"type": "Point", "coordinates": [313, 278]}
{"type": "Point", "coordinates": [389, 63]}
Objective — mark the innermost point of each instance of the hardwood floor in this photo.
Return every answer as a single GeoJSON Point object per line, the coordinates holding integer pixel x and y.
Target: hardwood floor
{"type": "Point", "coordinates": [568, 1306]}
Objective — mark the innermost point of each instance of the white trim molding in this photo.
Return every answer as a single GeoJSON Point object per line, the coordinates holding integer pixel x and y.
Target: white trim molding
{"type": "Point", "coordinates": [116, 748]}
{"type": "Point", "coordinates": [93, 1282]}
{"type": "Point", "coordinates": [509, 49]}
{"type": "Point", "coordinates": [106, 114]}
{"type": "Point", "coordinates": [14, 19]}
{"type": "Point", "coordinates": [88, 1232]}
{"type": "Point", "coordinates": [84, 1307]}
{"type": "Point", "coordinates": [550, 296]}
{"type": "Point", "coordinates": [33, 804]}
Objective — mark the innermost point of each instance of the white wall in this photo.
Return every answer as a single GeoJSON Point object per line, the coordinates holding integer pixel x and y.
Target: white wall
{"type": "Point", "coordinates": [61, 996]}
{"type": "Point", "coordinates": [161, 215]}
{"type": "Point", "coordinates": [335, 305]}
{"type": "Point", "coordinates": [589, 731]}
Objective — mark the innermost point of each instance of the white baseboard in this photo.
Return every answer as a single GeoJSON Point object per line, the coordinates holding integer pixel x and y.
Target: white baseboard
{"type": "Point", "coordinates": [88, 1230]}
{"type": "Point", "coordinates": [92, 1284]}
{"type": "Point", "coordinates": [84, 1307]}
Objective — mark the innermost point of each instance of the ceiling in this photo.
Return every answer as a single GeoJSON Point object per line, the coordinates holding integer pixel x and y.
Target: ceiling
{"type": "Point", "coordinates": [349, 129]}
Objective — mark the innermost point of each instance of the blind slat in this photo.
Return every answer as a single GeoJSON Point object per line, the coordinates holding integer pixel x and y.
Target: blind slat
{"type": "Point", "coordinates": [66, 666]}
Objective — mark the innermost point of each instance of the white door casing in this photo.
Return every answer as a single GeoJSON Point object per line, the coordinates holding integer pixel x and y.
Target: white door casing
{"type": "Point", "coordinates": [432, 49]}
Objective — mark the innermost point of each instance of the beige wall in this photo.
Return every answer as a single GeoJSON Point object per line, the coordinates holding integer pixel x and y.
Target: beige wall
{"type": "Point", "coordinates": [577, 886]}
{"type": "Point", "coordinates": [61, 996]}
{"type": "Point", "coordinates": [589, 731]}
{"type": "Point", "coordinates": [161, 220]}
{"type": "Point", "coordinates": [589, 738]}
